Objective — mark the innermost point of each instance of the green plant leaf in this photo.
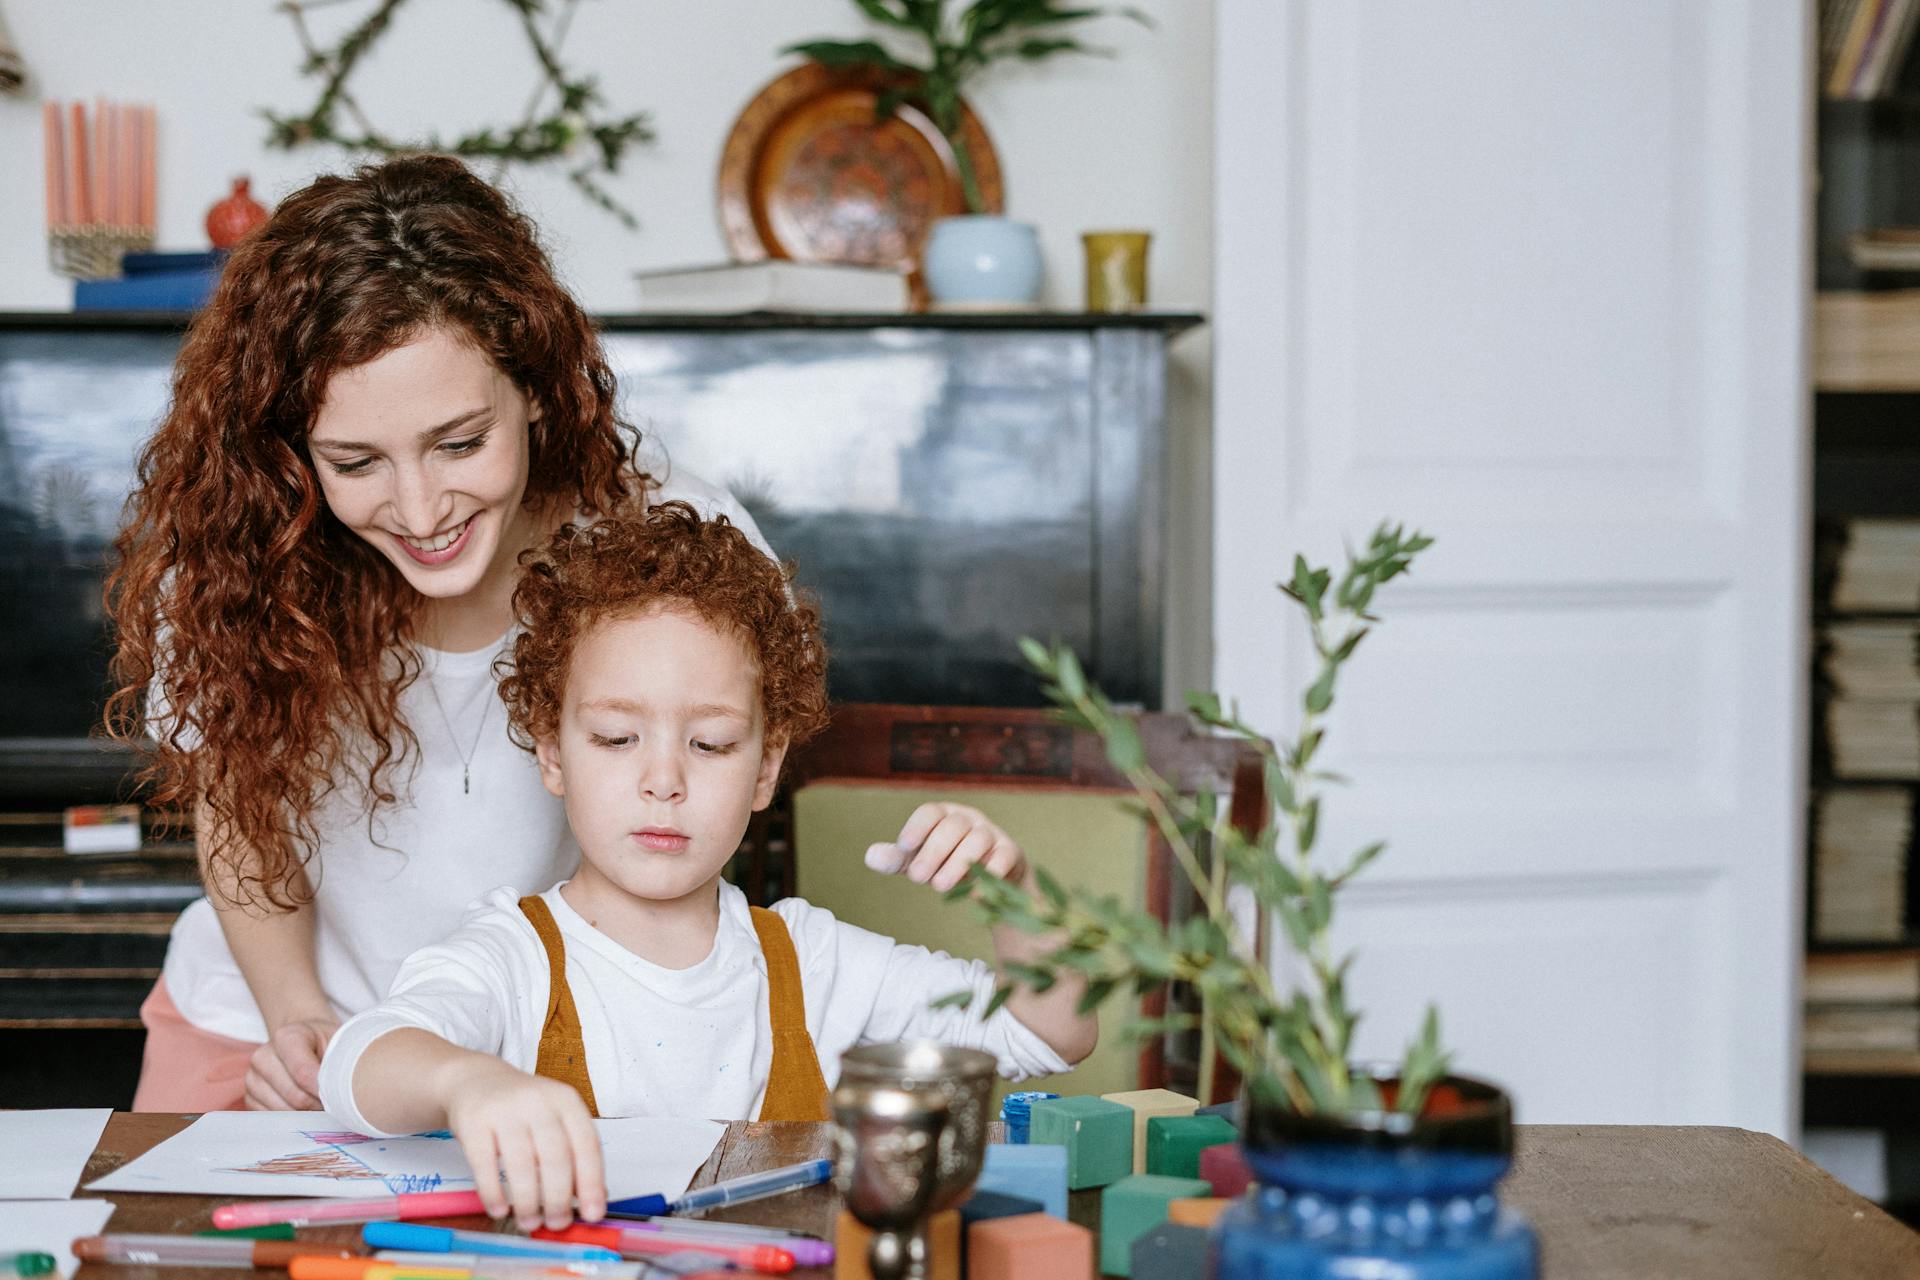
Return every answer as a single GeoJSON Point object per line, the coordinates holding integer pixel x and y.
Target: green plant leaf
{"type": "Point", "coordinates": [848, 53]}
{"type": "Point", "coordinates": [1124, 750]}
{"type": "Point", "coordinates": [953, 999]}
{"type": "Point", "coordinates": [1320, 695]}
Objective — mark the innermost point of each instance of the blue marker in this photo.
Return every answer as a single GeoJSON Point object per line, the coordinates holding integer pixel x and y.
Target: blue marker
{"type": "Point", "coordinates": [752, 1186]}
{"type": "Point", "coordinates": [415, 1238]}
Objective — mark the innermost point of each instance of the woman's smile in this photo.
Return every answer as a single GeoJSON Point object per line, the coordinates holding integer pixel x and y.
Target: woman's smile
{"type": "Point", "coordinates": [440, 548]}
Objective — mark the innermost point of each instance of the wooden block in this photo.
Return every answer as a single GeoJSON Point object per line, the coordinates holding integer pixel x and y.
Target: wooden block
{"type": "Point", "coordinates": [1197, 1213]}
{"type": "Point", "coordinates": [1134, 1206]}
{"type": "Point", "coordinates": [1225, 1167]}
{"type": "Point", "coordinates": [1097, 1135]}
{"type": "Point", "coordinates": [1168, 1252]}
{"type": "Point", "coordinates": [1030, 1172]}
{"type": "Point", "coordinates": [1174, 1143]}
{"type": "Point", "coordinates": [1145, 1105]}
{"type": "Point", "coordinates": [1227, 1111]}
{"type": "Point", "coordinates": [1031, 1247]}
{"type": "Point", "coordinates": [851, 1238]}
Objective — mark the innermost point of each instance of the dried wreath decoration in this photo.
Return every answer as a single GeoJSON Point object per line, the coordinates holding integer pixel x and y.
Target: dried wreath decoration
{"type": "Point", "coordinates": [537, 139]}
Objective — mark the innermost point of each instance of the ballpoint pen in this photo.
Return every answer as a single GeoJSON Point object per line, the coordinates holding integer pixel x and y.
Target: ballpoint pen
{"type": "Point", "coordinates": [752, 1186]}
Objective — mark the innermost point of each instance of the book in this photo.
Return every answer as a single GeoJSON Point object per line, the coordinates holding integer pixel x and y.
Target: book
{"type": "Point", "coordinates": [1886, 1028]}
{"type": "Point", "coordinates": [101, 828]}
{"type": "Point", "coordinates": [1871, 660]}
{"type": "Point", "coordinates": [1874, 739]}
{"type": "Point", "coordinates": [154, 291]}
{"type": "Point", "coordinates": [1869, 566]}
{"type": "Point", "coordinates": [1864, 977]}
{"type": "Point", "coordinates": [776, 285]}
{"type": "Point", "coordinates": [1885, 249]}
{"type": "Point", "coordinates": [1861, 840]}
{"type": "Point", "coordinates": [152, 262]}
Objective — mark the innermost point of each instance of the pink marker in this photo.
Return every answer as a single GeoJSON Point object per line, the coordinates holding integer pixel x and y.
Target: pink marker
{"type": "Point", "coordinates": [310, 1213]}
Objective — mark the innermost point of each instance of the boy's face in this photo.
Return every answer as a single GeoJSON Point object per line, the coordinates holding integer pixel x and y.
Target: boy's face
{"type": "Point", "coordinates": [661, 754]}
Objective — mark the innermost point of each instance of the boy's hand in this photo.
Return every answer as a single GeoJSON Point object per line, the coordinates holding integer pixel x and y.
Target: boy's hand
{"type": "Point", "coordinates": [536, 1132]}
{"type": "Point", "coordinates": [939, 843]}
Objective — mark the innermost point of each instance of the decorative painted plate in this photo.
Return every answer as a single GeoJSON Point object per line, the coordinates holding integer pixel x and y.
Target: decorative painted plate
{"type": "Point", "coordinates": [808, 174]}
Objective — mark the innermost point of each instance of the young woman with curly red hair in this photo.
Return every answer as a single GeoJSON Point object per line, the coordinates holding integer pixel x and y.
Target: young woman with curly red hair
{"type": "Point", "coordinates": [387, 400]}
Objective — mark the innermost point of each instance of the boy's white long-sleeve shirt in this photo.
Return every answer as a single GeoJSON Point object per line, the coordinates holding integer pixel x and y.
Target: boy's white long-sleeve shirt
{"type": "Point", "coordinates": [686, 1042]}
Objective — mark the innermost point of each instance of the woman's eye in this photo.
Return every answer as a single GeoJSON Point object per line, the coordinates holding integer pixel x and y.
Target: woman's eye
{"type": "Point", "coordinates": [460, 448]}
{"type": "Point", "coordinates": [351, 468]}
{"type": "Point", "coordinates": [601, 740]}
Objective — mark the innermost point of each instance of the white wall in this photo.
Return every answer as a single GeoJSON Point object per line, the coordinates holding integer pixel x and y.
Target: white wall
{"type": "Point", "coordinates": [1083, 143]}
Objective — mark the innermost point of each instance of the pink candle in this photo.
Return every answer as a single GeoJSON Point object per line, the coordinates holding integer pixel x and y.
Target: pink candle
{"type": "Point", "coordinates": [107, 120]}
{"type": "Point", "coordinates": [54, 145]}
{"type": "Point", "coordinates": [102, 187]}
{"type": "Point", "coordinates": [79, 202]}
{"type": "Point", "coordinates": [148, 131]}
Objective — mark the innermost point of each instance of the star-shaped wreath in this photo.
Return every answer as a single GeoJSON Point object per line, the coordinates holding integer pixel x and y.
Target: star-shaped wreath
{"type": "Point", "coordinates": [558, 136]}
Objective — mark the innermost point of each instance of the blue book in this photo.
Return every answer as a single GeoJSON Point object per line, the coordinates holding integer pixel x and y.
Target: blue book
{"type": "Point", "coordinates": [146, 264]}
{"type": "Point", "coordinates": [156, 291]}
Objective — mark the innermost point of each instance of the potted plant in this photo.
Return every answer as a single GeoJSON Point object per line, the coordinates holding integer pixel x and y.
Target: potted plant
{"type": "Point", "coordinates": [1364, 1169]}
{"type": "Point", "coordinates": [979, 259]}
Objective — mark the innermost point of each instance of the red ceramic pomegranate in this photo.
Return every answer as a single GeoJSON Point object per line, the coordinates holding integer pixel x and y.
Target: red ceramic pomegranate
{"type": "Point", "coordinates": [230, 221]}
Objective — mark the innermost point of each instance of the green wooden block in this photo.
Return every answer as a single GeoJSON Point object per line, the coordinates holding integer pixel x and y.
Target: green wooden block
{"type": "Point", "coordinates": [1097, 1134]}
{"type": "Point", "coordinates": [1174, 1143]}
{"type": "Point", "coordinates": [1134, 1206]}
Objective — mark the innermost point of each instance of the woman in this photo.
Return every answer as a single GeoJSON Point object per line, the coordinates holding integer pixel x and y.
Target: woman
{"type": "Point", "coordinates": [387, 400]}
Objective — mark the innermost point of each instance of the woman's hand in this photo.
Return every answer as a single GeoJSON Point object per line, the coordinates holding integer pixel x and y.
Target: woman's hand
{"type": "Point", "coordinates": [941, 840]}
{"type": "Point", "coordinates": [536, 1133]}
{"type": "Point", "coordinates": [284, 1074]}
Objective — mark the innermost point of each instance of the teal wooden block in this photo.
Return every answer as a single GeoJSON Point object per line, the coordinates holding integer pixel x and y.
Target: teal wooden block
{"type": "Point", "coordinates": [1170, 1252]}
{"type": "Point", "coordinates": [1031, 1172]}
{"type": "Point", "coordinates": [1134, 1206]}
{"type": "Point", "coordinates": [1174, 1143]}
{"type": "Point", "coordinates": [1097, 1135]}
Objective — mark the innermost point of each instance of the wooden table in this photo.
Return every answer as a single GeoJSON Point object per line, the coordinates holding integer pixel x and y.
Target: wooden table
{"type": "Point", "coordinates": [1611, 1202]}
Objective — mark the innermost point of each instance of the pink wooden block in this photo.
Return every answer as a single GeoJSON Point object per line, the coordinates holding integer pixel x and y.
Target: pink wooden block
{"type": "Point", "coordinates": [1226, 1168]}
{"type": "Point", "coordinates": [1033, 1246]}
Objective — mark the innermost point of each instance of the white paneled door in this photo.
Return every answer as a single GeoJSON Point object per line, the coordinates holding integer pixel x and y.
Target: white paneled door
{"type": "Point", "coordinates": [1531, 276]}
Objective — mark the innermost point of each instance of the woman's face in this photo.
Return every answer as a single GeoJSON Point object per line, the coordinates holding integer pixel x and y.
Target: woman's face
{"type": "Point", "coordinates": [423, 452]}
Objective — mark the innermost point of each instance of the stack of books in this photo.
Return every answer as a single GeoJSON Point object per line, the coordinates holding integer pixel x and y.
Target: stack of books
{"type": "Point", "coordinates": [731, 288]}
{"type": "Point", "coordinates": [1863, 45]}
{"type": "Point", "coordinates": [154, 282]}
{"type": "Point", "coordinates": [1870, 566]}
{"type": "Point", "coordinates": [1862, 837]}
{"type": "Point", "coordinates": [1863, 1003]}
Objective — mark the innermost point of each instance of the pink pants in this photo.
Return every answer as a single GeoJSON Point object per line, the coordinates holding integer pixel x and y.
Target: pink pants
{"type": "Point", "coordinates": [185, 1068]}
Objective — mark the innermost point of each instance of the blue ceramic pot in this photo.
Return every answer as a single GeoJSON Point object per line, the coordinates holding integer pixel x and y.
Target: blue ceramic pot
{"type": "Point", "coordinates": [981, 261]}
{"type": "Point", "coordinates": [1379, 1194]}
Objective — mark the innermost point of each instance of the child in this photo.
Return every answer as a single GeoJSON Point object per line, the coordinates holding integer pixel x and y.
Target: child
{"type": "Point", "coordinates": [664, 671]}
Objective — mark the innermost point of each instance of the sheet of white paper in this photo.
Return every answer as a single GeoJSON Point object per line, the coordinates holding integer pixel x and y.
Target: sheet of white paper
{"type": "Point", "coordinates": [60, 1141]}
{"type": "Point", "coordinates": [49, 1226]}
{"type": "Point", "coordinates": [305, 1153]}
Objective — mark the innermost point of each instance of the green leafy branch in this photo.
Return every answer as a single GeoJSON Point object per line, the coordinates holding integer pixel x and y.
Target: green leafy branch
{"type": "Point", "coordinates": [1293, 1046]}
{"type": "Point", "coordinates": [574, 123]}
{"type": "Point", "coordinates": [955, 51]}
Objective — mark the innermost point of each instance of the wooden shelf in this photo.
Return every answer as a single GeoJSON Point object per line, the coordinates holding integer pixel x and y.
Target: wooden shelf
{"type": "Point", "coordinates": [1867, 341]}
{"type": "Point", "coordinates": [1861, 1062]}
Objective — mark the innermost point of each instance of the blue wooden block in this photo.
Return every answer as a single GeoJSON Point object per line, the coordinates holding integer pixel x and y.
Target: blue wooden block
{"type": "Point", "coordinates": [1031, 1173]}
{"type": "Point", "coordinates": [1170, 1252]}
{"type": "Point", "coordinates": [1225, 1110]}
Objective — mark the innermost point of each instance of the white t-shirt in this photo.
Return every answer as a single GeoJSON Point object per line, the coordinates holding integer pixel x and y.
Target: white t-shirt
{"type": "Point", "coordinates": [685, 1042]}
{"type": "Point", "coordinates": [381, 894]}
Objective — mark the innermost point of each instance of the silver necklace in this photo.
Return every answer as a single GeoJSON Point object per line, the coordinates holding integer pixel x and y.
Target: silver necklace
{"type": "Point", "coordinates": [466, 757]}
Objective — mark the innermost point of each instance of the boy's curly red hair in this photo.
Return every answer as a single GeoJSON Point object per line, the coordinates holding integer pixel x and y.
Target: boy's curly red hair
{"type": "Point", "coordinates": [668, 556]}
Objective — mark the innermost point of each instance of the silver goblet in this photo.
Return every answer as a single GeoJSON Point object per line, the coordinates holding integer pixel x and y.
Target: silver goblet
{"type": "Point", "coordinates": [964, 1077]}
{"type": "Point", "coordinates": [887, 1140]}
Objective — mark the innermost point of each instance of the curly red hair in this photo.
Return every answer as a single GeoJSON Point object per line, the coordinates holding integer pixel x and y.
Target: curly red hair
{"type": "Point", "coordinates": [666, 556]}
{"type": "Point", "coordinates": [257, 637]}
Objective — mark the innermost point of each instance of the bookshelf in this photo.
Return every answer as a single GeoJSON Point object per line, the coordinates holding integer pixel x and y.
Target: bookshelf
{"type": "Point", "coordinates": [1865, 373]}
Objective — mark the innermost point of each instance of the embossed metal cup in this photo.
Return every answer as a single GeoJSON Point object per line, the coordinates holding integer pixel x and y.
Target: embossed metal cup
{"type": "Point", "coordinates": [964, 1077]}
{"type": "Point", "coordinates": [887, 1140]}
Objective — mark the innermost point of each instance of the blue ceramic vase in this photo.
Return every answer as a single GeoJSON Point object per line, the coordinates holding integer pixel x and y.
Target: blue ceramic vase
{"type": "Point", "coordinates": [983, 262]}
{"type": "Point", "coordinates": [1379, 1194]}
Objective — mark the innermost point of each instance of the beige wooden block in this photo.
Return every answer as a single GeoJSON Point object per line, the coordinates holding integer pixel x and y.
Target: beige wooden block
{"type": "Point", "coordinates": [1145, 1105]}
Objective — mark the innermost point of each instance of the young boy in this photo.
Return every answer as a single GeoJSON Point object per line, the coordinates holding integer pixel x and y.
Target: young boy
{"type": "Point", "coordinates": [664, 671]}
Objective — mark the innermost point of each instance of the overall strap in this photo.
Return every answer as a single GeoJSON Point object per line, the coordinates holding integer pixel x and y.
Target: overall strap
{"type": "Point", "coordinates": [795, 1088]}
{"type": "Point", "coordinates": [563, 1051]}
